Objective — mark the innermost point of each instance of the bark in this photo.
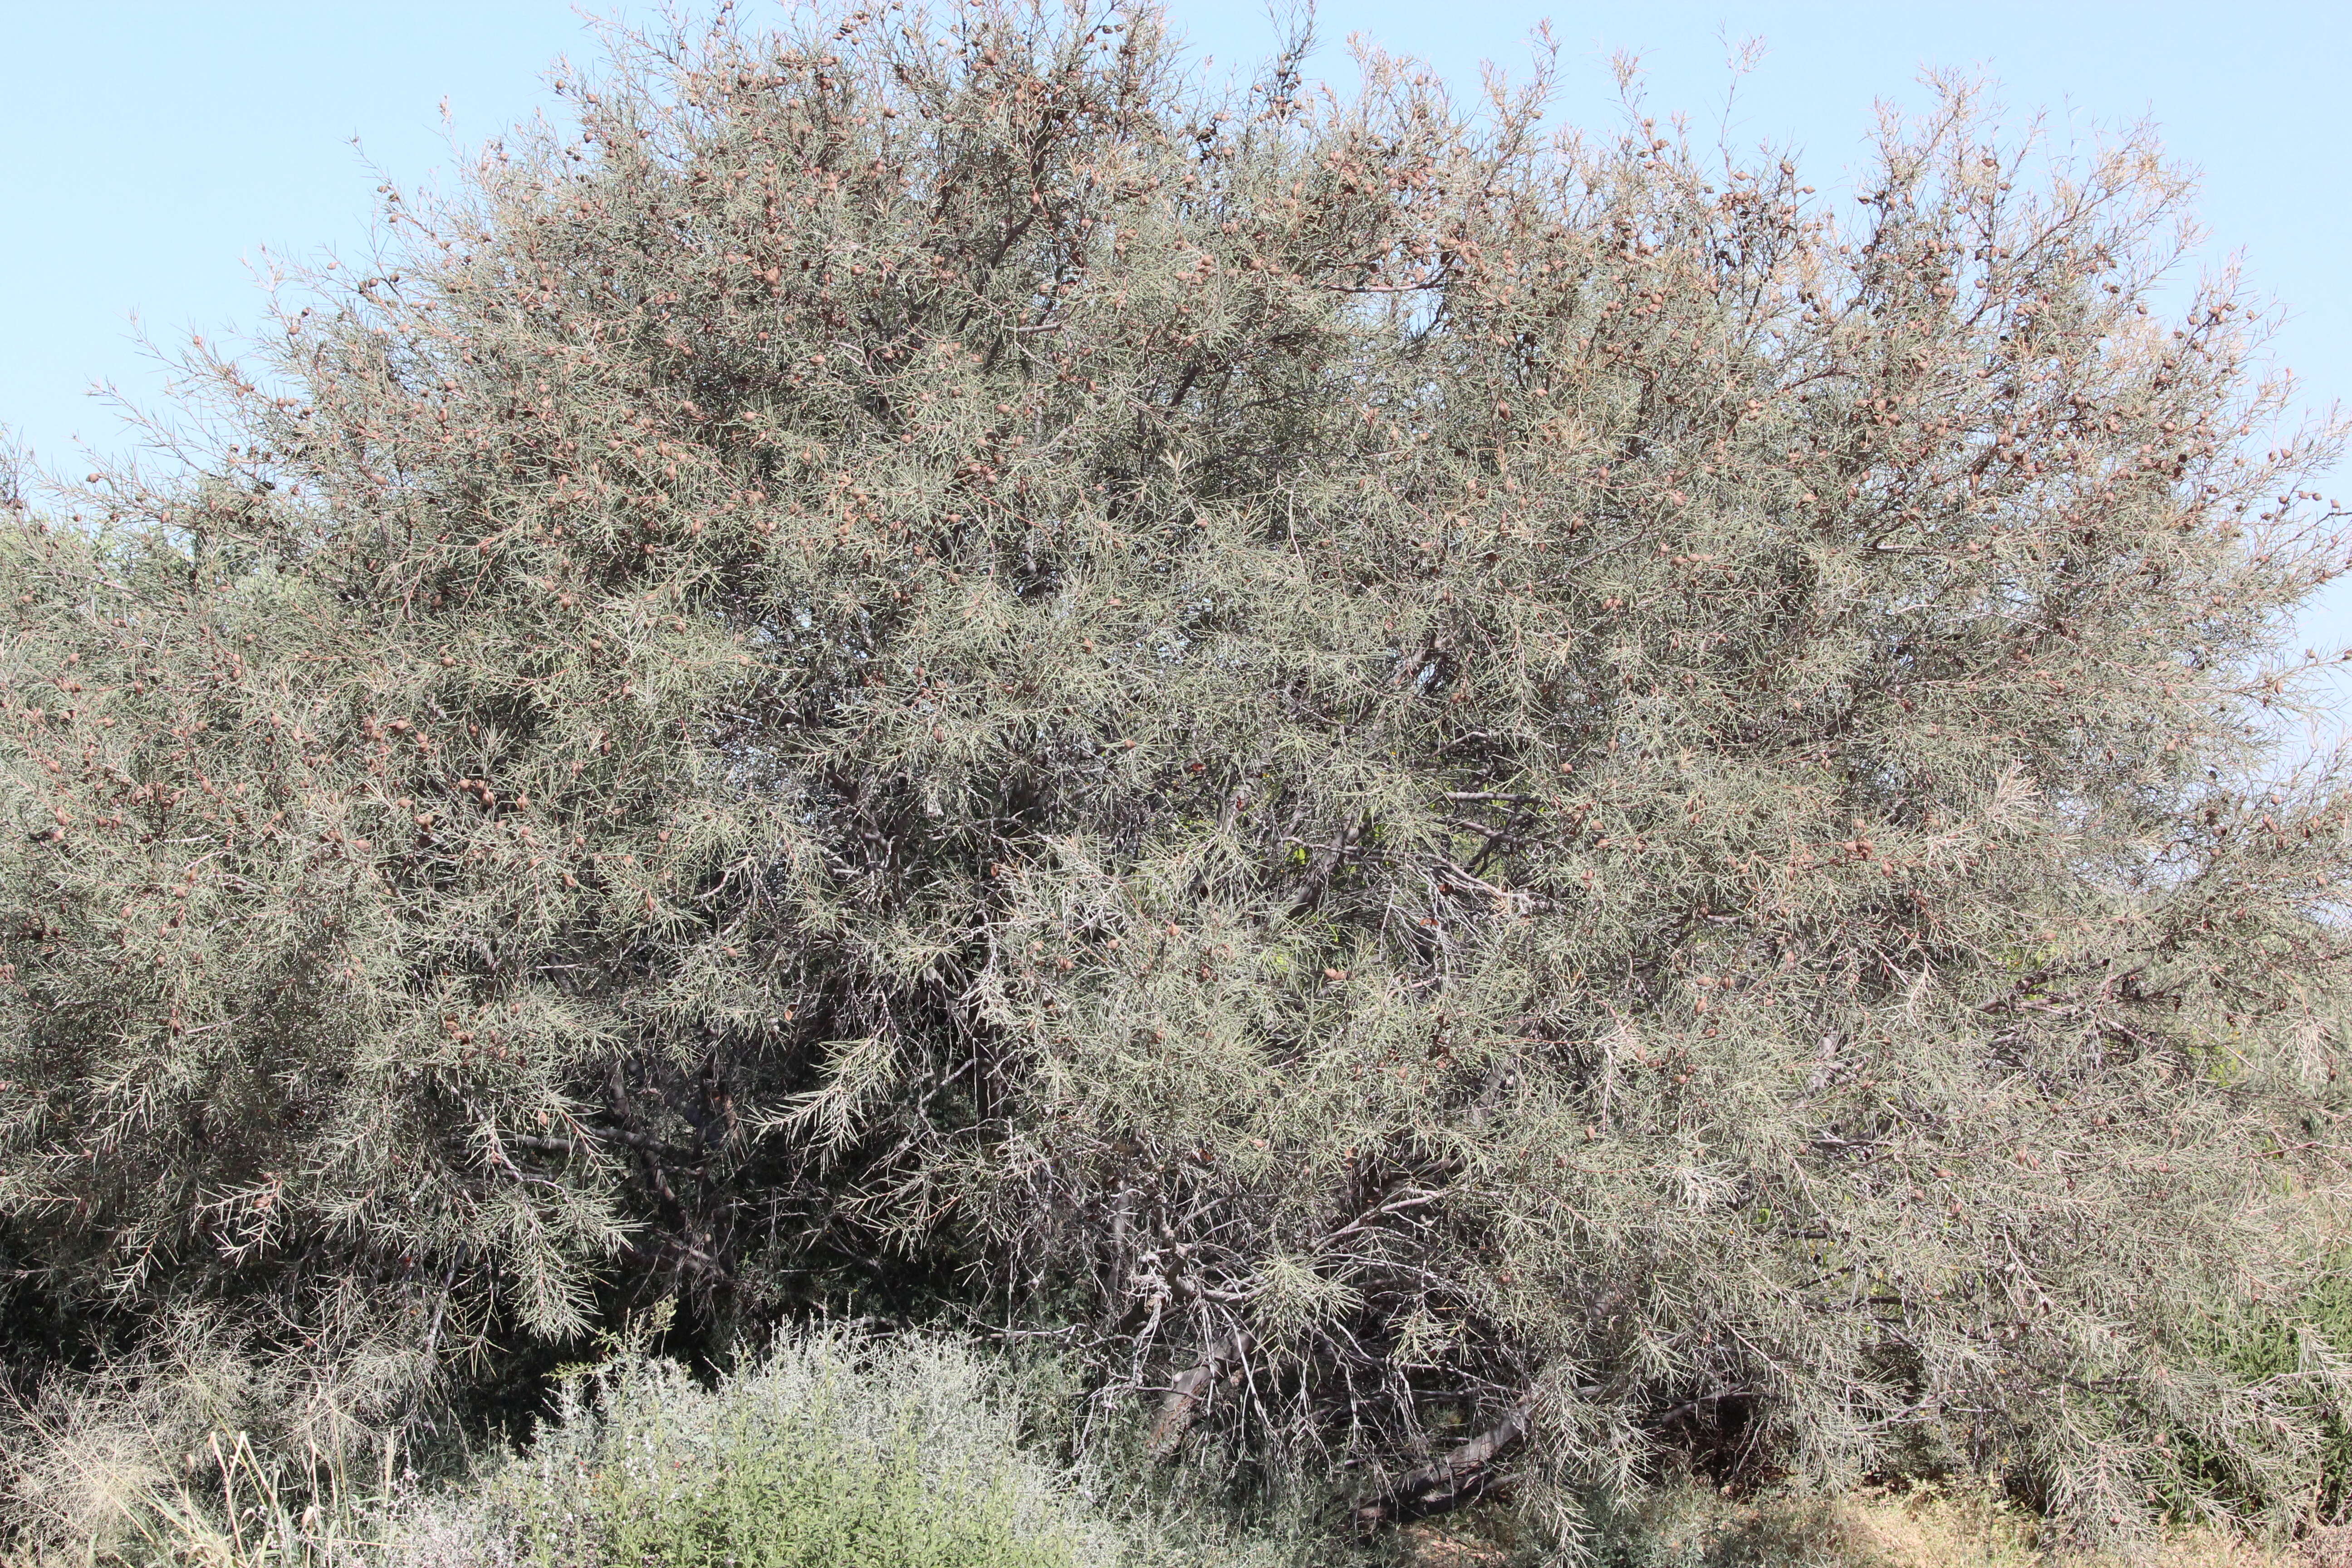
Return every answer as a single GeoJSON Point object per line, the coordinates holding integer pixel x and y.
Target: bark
{"type": "Point", "coordinates": [1192, 1386]}
{"type": "Point", "coordinates": [1450, 1480]}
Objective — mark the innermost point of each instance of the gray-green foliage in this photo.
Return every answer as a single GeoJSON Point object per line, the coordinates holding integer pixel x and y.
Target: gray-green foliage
{"type": "Point", "coordinates": [2273, 1343]}
{"type": "Point", "coordinates": [828, 1452]}
{"type": "Point", "coordinates": [832, 1449]}
{"type": "Point", "coordinates": [1416, 777]}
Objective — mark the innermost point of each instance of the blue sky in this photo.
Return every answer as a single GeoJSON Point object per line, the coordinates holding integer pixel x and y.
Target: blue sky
{"type": "Point", "coordinates": [148, 152]}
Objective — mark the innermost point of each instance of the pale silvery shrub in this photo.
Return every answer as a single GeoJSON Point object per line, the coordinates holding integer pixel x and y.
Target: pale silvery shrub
{"type": "Point", "coordinates": [1457, 793]}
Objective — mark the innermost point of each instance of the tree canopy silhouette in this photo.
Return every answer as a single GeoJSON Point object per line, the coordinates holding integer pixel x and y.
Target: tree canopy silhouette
{"type": "Point", "coordinates": [1484, 799]}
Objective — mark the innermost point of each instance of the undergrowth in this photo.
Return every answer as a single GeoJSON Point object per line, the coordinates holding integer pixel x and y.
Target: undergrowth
{"type": "Point", "coordinates": [834, 1448]}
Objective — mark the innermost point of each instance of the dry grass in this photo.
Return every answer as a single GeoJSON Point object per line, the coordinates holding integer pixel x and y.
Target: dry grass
{"type": "Point", "coordinates": [1929, 1529]}
{"type": "Point", "coordinates": [1924, 1528]}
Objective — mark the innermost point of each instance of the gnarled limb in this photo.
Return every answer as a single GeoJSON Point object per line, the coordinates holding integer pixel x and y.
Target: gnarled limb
{"type": "Point", "coordinates": [1184, 1395]}
{"type": "Point", "coordinates": [1456, 1477]}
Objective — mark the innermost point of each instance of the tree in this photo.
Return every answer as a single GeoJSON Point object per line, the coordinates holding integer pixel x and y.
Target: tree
{"type": "Point", "coordinates": [1493, 802]}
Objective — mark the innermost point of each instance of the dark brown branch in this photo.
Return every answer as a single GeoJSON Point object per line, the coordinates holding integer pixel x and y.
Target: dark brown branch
{"type": "Point", "coordinates": [1447, 1482]}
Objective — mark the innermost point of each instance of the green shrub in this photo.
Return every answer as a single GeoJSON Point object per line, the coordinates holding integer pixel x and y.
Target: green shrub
{"type": "Point", "coordinates": [2298, 1353]}
{"type": "Point", "coordinates": [830, 1452]}
{"type": "Point", "coordinates": [833, 1450]}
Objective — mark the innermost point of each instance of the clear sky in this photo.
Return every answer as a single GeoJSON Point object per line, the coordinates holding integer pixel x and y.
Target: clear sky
{"type": "Point", "coordinates": [150, 151]}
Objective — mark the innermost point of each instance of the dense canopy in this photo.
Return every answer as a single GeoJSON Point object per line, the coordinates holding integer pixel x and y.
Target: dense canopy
{"type": "Point", "coordinates": [1486, 800]}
